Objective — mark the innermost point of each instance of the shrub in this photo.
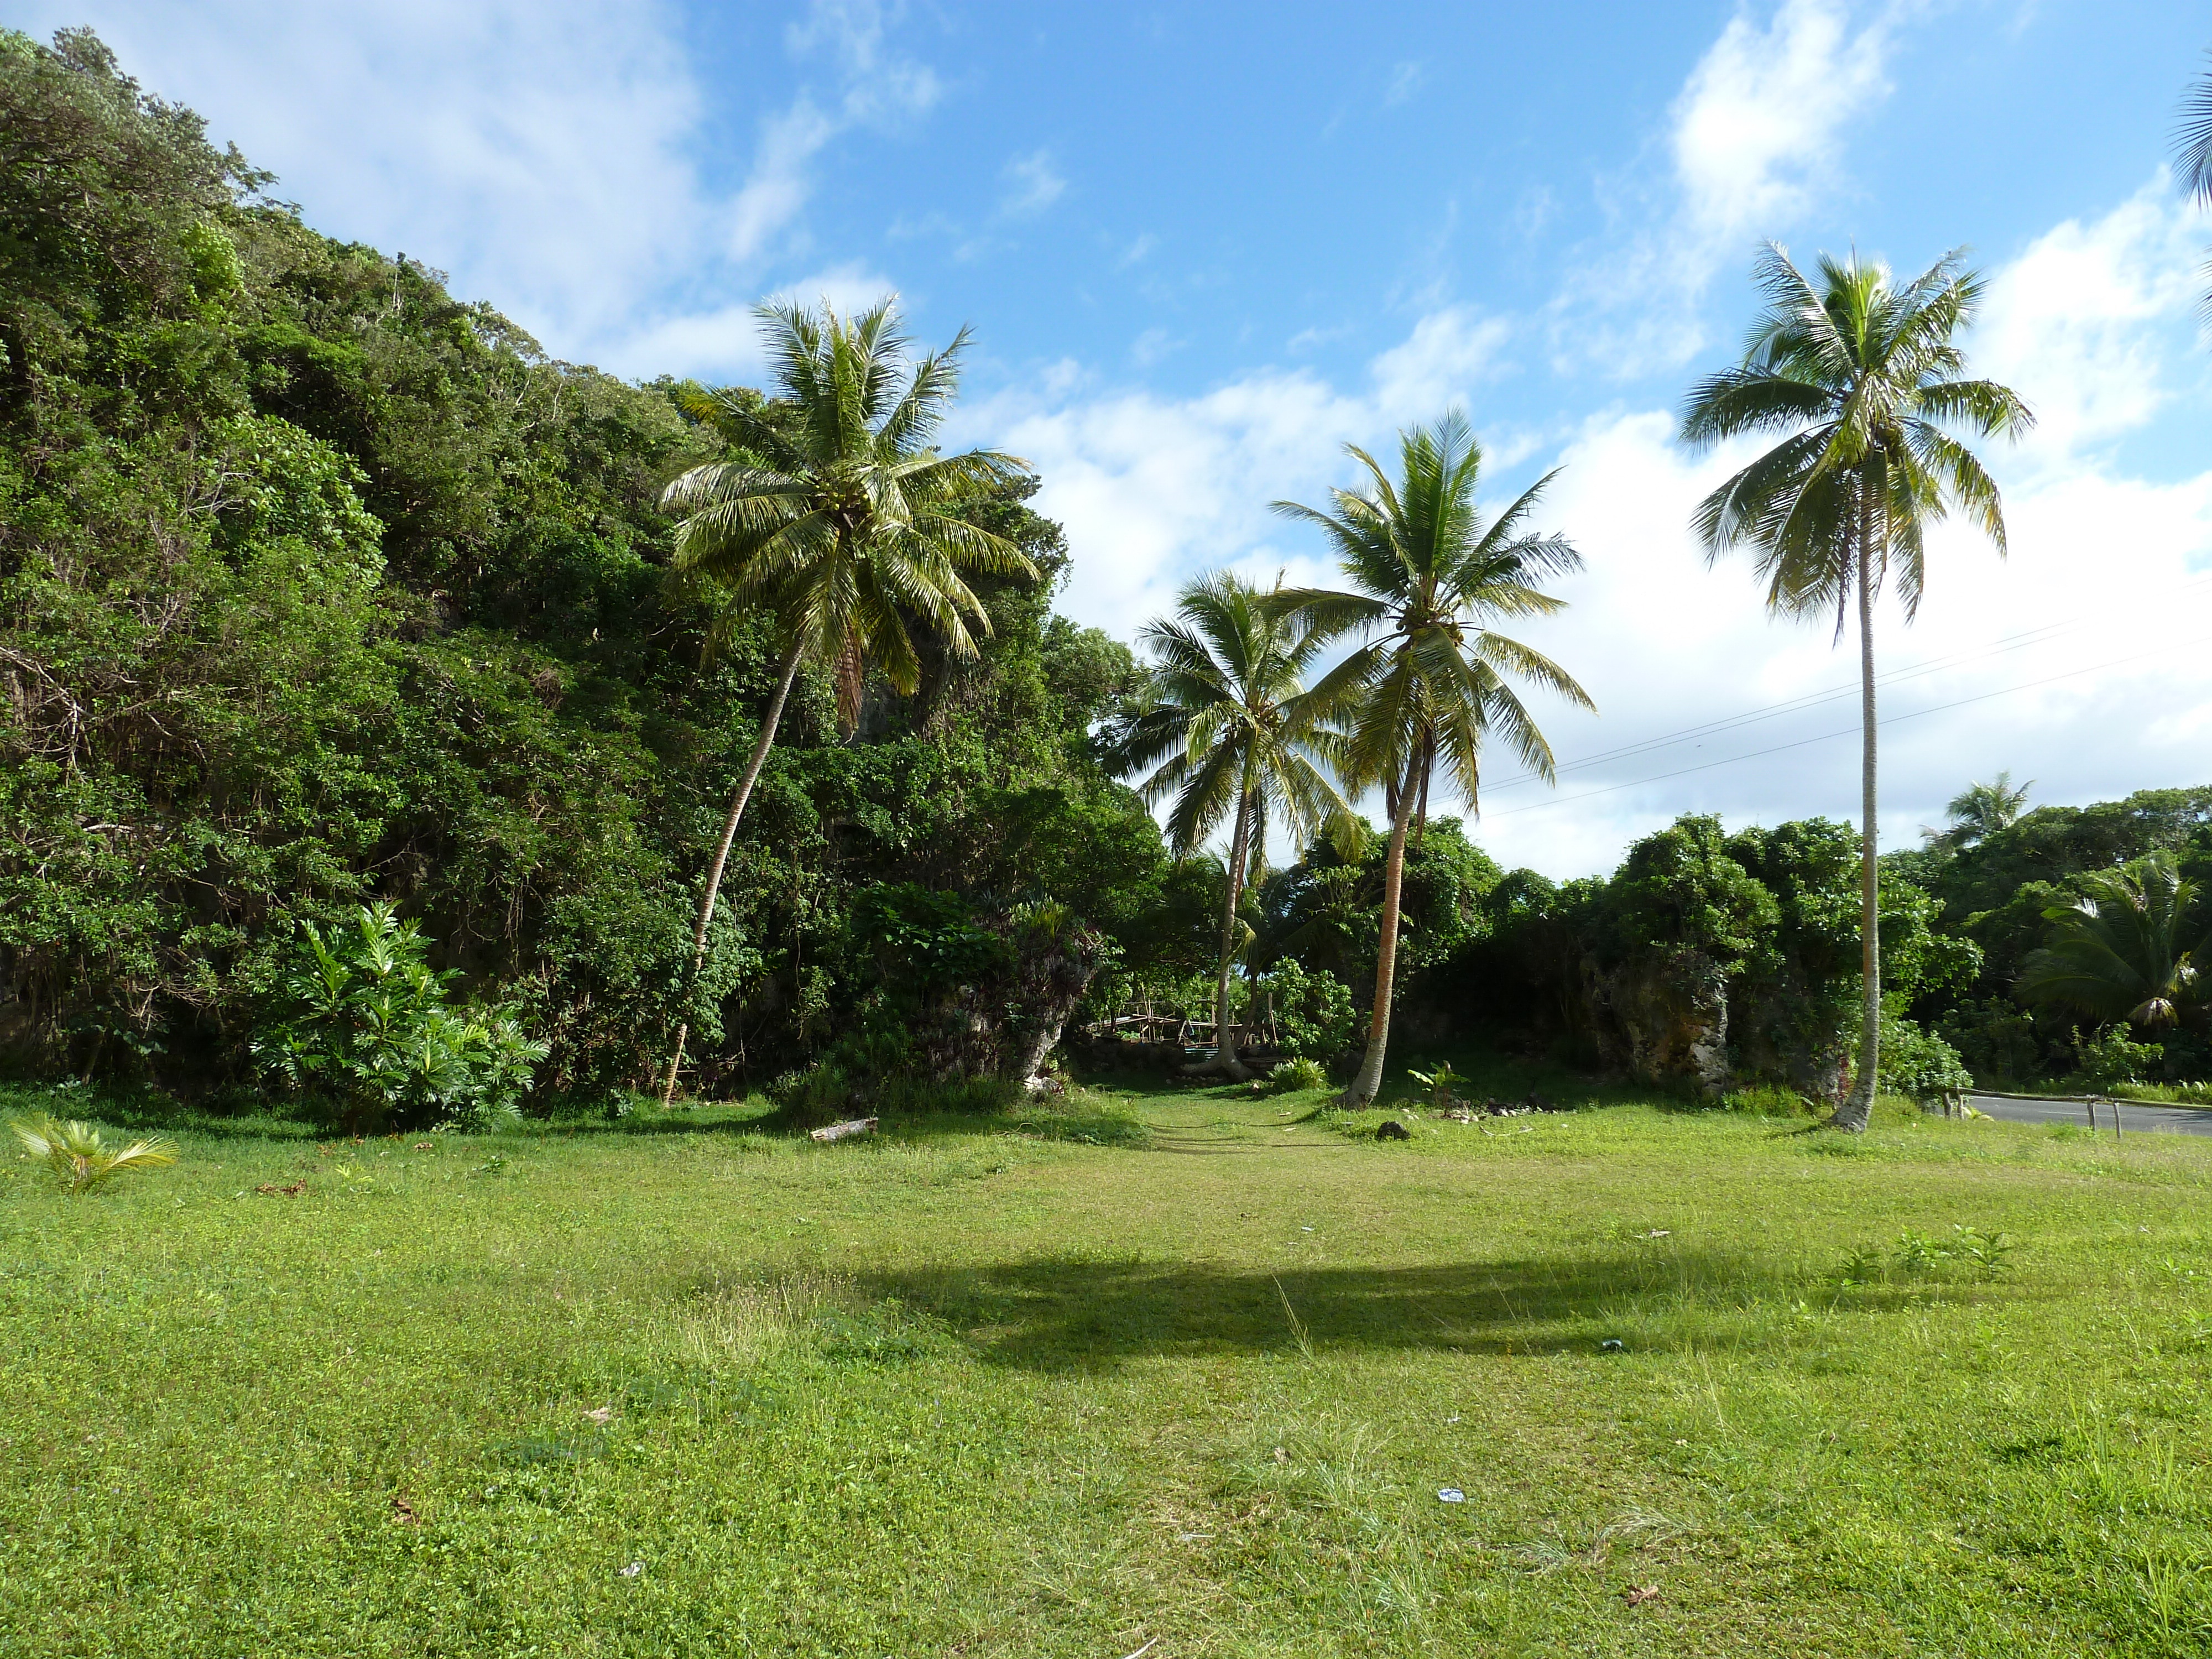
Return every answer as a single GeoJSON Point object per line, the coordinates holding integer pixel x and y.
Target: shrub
{"type": "Point", "coordinates": [2110, 1058]}
{"type": "Point", "coordinates": [1298, 1076]}
{"type": "Point", "coordinates": [1915, 1062]}
{"type": "Point", "coordinates": [1994, 1038]}
{"type": "Point", "coordinates": [1313, 1010]}
{"type": "Point", "coordinates": [363, 1024]}
{"type": "Point", "coordinates": [1439, 1083]}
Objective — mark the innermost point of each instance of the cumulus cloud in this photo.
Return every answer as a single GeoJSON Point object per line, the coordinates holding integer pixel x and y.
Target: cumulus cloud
{"type": "Point", "coordinates": [1152, 488]}
{"type": "Point", "coordinates": [1751, 140]}
{"type": "Point", "coordinates": [2077, 322]}
{"type": "Point", "coordinates": [1755, 125]}
{"type": "Point", "coordinates": [538, 153]}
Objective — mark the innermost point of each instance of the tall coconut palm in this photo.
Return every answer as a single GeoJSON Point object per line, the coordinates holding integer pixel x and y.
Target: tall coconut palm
{"type": "Point", "coordinates": [2192, 146]}
{"type": "Point", "coordinates": [836, 519]}
{"type": "Point", "coordinates": [2127, 949]}
{"type": "Point", "coordinates": [1861, 380]}
{"type": "Point", "coordinates": [1978, 811]}
{"type": "Point", "coordinates": [1229, 731]}
{"type": "Point", "coordinates": [1429, 680]}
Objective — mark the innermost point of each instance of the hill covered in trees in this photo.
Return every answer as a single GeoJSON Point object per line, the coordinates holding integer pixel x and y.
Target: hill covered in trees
{"type": "Point", "coordinates": [319, 583]}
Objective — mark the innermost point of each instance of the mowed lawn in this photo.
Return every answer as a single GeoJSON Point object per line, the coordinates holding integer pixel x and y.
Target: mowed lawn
{"type": "Point", "coordinates": [1189, 1370]}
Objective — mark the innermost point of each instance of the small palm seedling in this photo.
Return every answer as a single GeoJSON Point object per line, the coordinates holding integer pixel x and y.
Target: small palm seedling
{"type": "Point", "coordinates": [78, 1157]}
{"type": "Point", "coordinates": [1298, 1076]}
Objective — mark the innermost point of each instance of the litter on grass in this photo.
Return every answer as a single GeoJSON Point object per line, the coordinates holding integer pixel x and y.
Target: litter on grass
{"type": "Point", "coordinates": [1451, 1495]}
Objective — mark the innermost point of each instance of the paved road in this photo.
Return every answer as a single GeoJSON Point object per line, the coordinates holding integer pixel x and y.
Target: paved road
{"type": "Point", "coordinates": [2135, 1115]}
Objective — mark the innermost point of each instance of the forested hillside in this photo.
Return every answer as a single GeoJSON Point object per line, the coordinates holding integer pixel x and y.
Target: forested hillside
{"type": "Point", "coordinates": [317, 584]}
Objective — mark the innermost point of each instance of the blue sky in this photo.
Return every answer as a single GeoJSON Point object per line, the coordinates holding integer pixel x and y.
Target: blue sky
{"type": "Point", "coordinates": [1203, 249]}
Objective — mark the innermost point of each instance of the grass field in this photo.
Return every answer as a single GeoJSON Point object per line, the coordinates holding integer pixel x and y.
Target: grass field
{"type": "Point", "coordinates": [1183, 1368]}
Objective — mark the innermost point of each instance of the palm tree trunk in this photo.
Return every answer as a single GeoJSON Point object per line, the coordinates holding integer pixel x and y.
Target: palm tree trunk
{"type": "Point", "coordinates": [1369, 1083]}
{"type": "Point", "coordinates": [1225, 1052]}
{"type": "Point", "coordinates": [1421, 812]}
{"type": "Point", "coordinates": [769, 723]}
{"type": "Point", "coordinates": [1858, 1106]}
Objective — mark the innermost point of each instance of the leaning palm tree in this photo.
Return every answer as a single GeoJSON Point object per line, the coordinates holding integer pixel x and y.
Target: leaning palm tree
{"type": "Point", "coordinates": [1428, 681]}
{"type": "Point", "coordinates": [2125, 949]}
{"type": "Point", "coordinates": [1229, 731]}
{"type": "Point", "coordinates": [835, 517]}
{"type": "Point", "coordinates": [1860, 378]}
{"type": "Point", "coordinates": [1978, 811]}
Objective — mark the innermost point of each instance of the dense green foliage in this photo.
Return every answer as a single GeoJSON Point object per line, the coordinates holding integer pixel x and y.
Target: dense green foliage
{"type": "Point", "coordinates": [318, 584]}
{"type": "Point", "coordinates": [363, 1024]}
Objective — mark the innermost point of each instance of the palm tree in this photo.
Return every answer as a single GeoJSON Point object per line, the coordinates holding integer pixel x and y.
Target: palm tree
{"type": "Point", "coordinates": [2125, 949]}
{"type": "Point", "coordinates": [1428, 682]}
{"type": "Point", "coordinates": [2192, 149]}
{"type": "Point", "coordinates": [1978, 811]}
{"type": "Point", "coordinates": [835, 517]}
{"type": "Point", "coordinates": [1230, 732]}
{"type": "Point", "coordinates": [1862, 379]}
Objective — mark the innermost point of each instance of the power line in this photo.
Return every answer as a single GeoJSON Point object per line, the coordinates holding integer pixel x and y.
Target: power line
{"type": "Point", "coordinates": [2004, 646]}
{"type": "Point", "coordinates": [1826, 737]}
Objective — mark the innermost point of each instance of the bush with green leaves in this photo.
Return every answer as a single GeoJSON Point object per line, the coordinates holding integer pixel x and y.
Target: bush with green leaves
{"type": "Point", "coordinates": [1300, 1076]}
{"type": "Point", "coordinates": [2111, 1057]}
{"type": "Point", "coordinates": [1917, 1063]}
{"type": "Point", "coordinates": [1313, 1010]}
{"type": "Point", "coordinates": [363, 1026]}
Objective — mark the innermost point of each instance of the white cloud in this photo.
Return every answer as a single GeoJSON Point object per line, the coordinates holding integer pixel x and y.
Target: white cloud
{"type": "Point", "coordinates": [779, 184]}
{"type": "Point", "coordinates": [2077, 323]}
{"type": "Point", "coordinates": [538, 153]}
{"type": "Point", "coordinates": [724, 346]}
{"type": "Point", "coordinates": [1755, 126]}
{"type": "Point", "coordinates": [543, 156]}
{"type": "Point", "coordinates": [879, 87]}
{"type": "Point", "coordinates": [1033, 184]}
{"type": "Point", "coordinates": [1153, 488]}
{"type": "Point", "coordinates": [1439, 364]}
{"type": "Point", "coordinates": [1751, 141]}
{"type": "Point", "coordinates": [1665, 645]}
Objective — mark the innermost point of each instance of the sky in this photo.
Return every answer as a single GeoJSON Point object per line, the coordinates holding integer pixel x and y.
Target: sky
{"type": "Point", "coordinates": [1203, 249]}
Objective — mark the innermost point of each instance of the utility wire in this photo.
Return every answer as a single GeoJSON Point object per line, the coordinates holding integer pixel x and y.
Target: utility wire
{"type": "Point", "coordinates": [2002, 647]}
{"type": "Point", "coordinates": [1849, 730]}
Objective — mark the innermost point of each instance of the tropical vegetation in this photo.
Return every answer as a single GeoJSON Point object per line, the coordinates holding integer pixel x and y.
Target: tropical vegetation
{"type": "Point", "coordinates": [1227, 728]}
{"type": "Point", "coordinates": [1861, 380]}
{"type": "Point", "coordinates": [418, 728]}
{"type": "Point", "coordinates": [1430, 679]}
{"type": "Point", "coordinates": [465, 818]}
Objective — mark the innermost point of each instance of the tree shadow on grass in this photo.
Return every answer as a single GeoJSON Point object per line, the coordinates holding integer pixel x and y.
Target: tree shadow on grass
{"type": "Point", "coordinates": [1066, 1314]}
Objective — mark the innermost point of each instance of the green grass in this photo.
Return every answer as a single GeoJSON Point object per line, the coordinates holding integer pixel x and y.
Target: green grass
{"type": "Point", "coordinates": [1190, 1367]}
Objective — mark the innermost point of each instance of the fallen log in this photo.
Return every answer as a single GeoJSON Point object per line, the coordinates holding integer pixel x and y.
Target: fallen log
{"type": "Point", "coordinates": [859, 1125]}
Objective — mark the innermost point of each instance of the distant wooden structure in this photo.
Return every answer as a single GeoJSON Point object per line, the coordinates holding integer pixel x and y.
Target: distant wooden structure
{"type": "Point", "coordinates": [1144, 1022]}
